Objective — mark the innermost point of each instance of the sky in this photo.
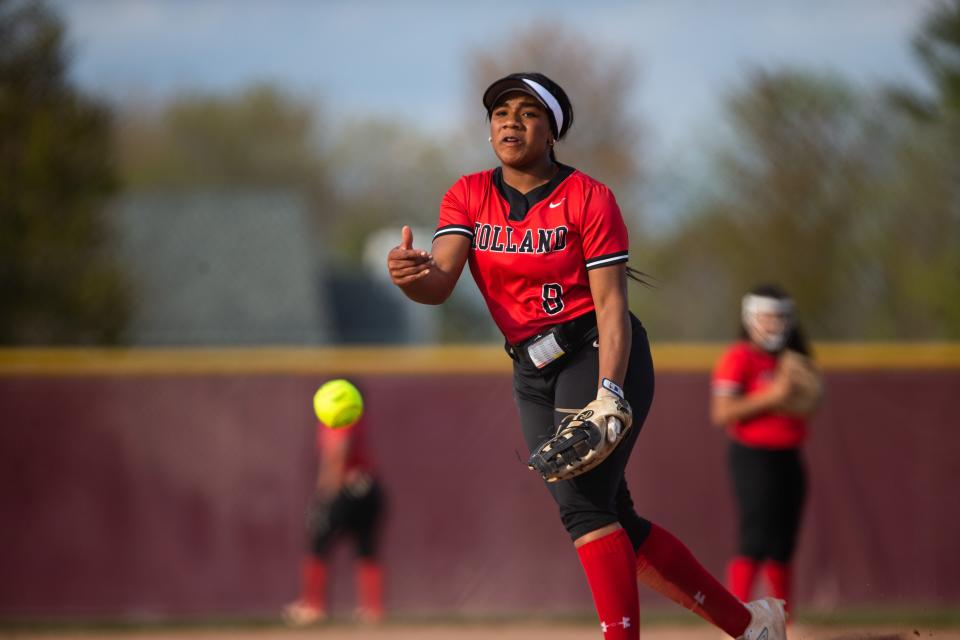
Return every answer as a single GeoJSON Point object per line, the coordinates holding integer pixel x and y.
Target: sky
{"type": "Point", "coordinates": [376, 57]}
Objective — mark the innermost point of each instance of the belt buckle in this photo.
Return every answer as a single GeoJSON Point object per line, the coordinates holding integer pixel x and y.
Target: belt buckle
{"type": "Point", "coordinates": [544, 349]}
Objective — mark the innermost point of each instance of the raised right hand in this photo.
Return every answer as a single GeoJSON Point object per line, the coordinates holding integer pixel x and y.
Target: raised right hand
{"type": "Point", "coordinates": [406, 264]}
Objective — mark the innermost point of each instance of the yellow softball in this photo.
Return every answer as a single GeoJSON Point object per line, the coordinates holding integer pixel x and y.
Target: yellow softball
{"type": "Point", "coordinates": [338, 404]}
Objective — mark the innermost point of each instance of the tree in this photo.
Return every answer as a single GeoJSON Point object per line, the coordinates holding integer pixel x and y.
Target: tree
{"type": "Point", "coordinates": [917, 237]}
{"type": "Point", "coordinates": [938, 48]}
{"type": "Point", "coordinates": [923, 209]}
{"type": "Point", "coordinates": [59, 282]}
{"type": "Point", "coordinates": [259, 137]}
{"type": "Point", "coordinates": [399, 183]}
{"type": "Point", "coordinates": [795, 200]}
{"type": "Point", "coordinates": [849, 201]}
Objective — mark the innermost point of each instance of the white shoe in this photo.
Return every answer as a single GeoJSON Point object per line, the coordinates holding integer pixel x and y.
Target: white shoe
{"type": "Point", "coordinates": [303, 614]}
{"type": "Point", "coordinates": [768, 620]}
{"type": "Point", "coordinates": [364, 615]}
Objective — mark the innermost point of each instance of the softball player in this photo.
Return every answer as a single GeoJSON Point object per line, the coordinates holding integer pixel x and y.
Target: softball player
{"type": "Point", "coordinates": [547, 247]}
{"type": "Point", "coordinates": [764, 456]}
{"type": "Point", "coordinates": [348, 503]}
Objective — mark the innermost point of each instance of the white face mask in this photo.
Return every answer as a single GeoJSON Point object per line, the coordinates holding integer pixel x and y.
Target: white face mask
{"type": "Point", "coordinates": [768, 320]}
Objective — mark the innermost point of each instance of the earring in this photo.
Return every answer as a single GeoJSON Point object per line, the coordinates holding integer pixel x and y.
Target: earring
{"type": "Point", "coordinates": [490, 139]}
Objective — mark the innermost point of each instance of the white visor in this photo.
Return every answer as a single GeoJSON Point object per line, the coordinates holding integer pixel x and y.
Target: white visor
{"type": "Point", "coordinates": [547, 98]}
{"type": "Point", "coordinates": [763, 304]}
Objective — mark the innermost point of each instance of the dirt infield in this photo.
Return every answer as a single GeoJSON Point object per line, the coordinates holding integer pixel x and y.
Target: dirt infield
{"type": "Point", "coordinates": [471, 632]}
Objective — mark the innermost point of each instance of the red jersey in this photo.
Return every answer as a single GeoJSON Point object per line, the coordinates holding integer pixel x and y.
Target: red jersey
{"type": "Point", "coordinates": [532, 272]}
{"type": "Point", "coordinates": [358, 454]}
{"type": "Point", "coordinates": [744, 369]}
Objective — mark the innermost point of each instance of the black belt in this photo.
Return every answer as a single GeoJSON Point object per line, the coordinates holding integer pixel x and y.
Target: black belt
{"type": "Point", "coordinates": [568, 336]}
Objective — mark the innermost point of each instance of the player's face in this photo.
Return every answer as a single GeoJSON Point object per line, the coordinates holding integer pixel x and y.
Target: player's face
{"type": "Point", "coordinates": [520, 131]}
{"type": "Point", "coordinates": [772, 322]}
{"type": "Point", "coordinates": [768, 329]}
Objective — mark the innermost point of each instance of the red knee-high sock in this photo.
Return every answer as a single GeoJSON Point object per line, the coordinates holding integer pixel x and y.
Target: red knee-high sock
{"type": "Point", "coordinates": [313, 588]}
{"type": "Point", "coordinates": [370, 588]}
{"type": "Point", "coordinates": [609, 565]}
{"type": "Point", "coordinates": [741, 574]}
{"type": "Point", "coordinates": [666, 565]}
{"type": "Point", "coordinates": [778, 577]}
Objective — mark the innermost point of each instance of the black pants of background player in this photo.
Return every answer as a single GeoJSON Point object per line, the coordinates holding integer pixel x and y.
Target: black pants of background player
{"type": "Point", "coordinates": [770, 489]}
{"type": "Point", "coordinates": [355, 513]}
{"type": "Point", "coordinates": [600, 497]}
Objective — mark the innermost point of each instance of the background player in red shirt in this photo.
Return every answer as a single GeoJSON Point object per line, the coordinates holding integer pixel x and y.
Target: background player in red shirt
{"type": "Point", "coordinates": [749, 399]}
{"type": "Point", "coordinates": [348, 504]}
{"type": "Point", "coordinates": [547, 247]}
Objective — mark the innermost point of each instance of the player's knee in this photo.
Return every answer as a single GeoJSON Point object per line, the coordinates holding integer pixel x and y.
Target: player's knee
{"type": "Point", "coordinates": [320, 546]}
{"type": "Point", "coordinates": [781, 551]}
{"type": "Point", "coordinates": [578, 523]}
{"type": "Point", "coordinates": [637, 528]}
{"type": "Point", "coordinates": [754, 546]}
{"type": "Point", "coordinates": [366, 547]}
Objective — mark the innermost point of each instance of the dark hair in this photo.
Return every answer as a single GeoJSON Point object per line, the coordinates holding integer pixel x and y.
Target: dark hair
{"type": "Point", "coordinates": [796, 338]}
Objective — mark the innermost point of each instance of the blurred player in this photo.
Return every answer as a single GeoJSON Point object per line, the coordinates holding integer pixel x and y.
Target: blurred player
{"type": "Point", "coordinates": [348, 504]}
{"type": "Point", "coordinates": [548, 249]}
{"type": "Point", "coordinates": [764, 403]}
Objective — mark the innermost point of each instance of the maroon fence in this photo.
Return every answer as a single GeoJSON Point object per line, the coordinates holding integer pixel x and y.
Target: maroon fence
{"type": "Point", "coordinates": [126, 493]}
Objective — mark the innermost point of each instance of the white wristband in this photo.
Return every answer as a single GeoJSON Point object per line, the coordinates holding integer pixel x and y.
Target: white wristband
{"type": "Point", "coordinates": [612, 387]}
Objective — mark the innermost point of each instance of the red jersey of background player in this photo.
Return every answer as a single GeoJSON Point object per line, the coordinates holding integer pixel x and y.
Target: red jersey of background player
{"type": "Point", "coordinates": [745, 369]}
{"type": "Point", "coordinates": [358, 453]}
{"type": "Point", "coordinates": [532, 271]}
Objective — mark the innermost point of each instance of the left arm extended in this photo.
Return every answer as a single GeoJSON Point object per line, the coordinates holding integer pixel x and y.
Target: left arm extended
{"type": "Point", "coordinates": [608, 286]}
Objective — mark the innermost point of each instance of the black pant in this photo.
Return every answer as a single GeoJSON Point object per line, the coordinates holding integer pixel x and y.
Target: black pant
{"type": "Point", "coordinates": [600, 496]}
{"type": "Point", "coordinates": [354, 512]}
{"type": "Point", "coordinates": [770, 488]}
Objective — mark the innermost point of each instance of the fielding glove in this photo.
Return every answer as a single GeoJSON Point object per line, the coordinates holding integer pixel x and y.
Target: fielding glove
{"type": "Point", "coordinates": [806, 384]}
{"type": "Point", "coordinates": [584, 439]}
